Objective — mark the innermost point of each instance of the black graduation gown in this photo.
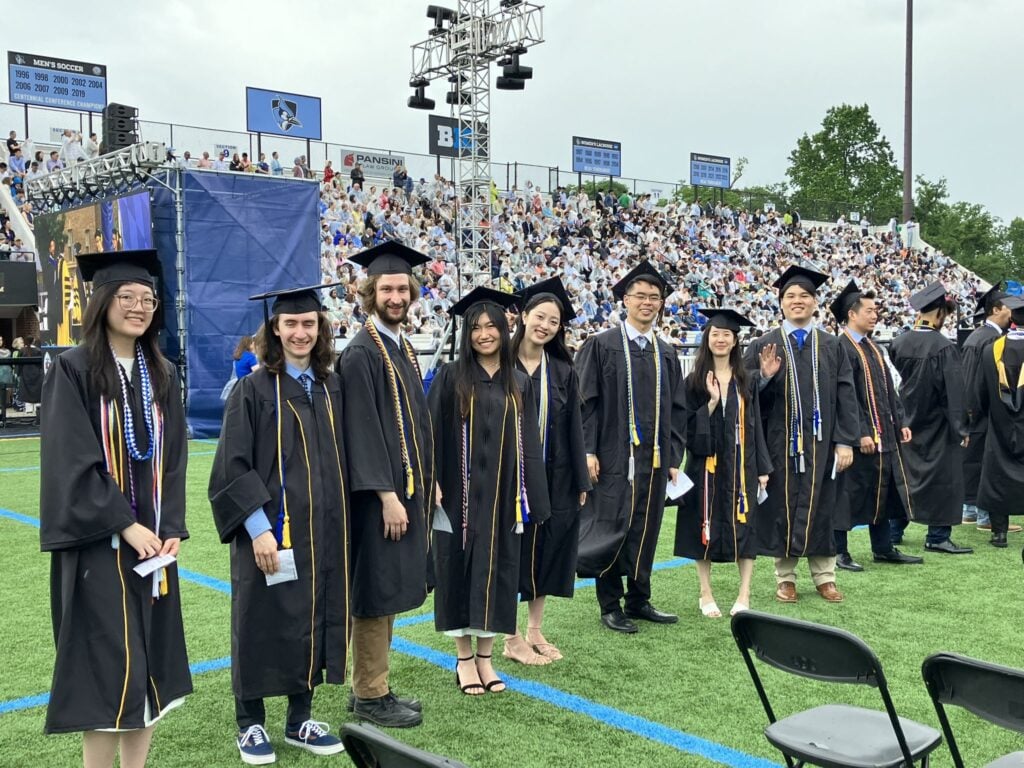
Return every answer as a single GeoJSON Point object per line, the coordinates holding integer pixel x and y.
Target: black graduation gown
{"type": "Point", "coordinates": [620, 523]}
{"type": "Point", "coordinates": [548, 564]}
{"type": "Point", "coordinates": [797, 518]}
{"type": "Point", "coordinates": [283, 637]}
{"type": "Point", "coordinates": [1002, 469]}
{"type": "Point", "coordinates": [388, 577]}
{"type": "Point", "coordinates": [932, 395]}
{"type": "Point", "coordinates": [972, 350]}
{"type": "Point", "coordinates": [714, 434]}
{"type": "Point", "coordinates": [476, 586]}
{"type": "Point", "coordinates": [864, 495]}
{"type": "Point", "coordinates": [101, 678]}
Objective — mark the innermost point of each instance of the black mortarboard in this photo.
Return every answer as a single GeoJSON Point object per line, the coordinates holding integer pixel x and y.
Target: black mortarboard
{"type": "Point", "coordinates": [644, 270]}
{"type": "Point", "coordinates": [389, 258]}
{"type": "Point", "coordinates": [483, 294]}
{"type": "Point", "coordinates": [805, 278]}
{"type": "Point", "coordinates": [551, 287]}
{"type": "Point", "coordinates": [120, 267]}
{"type": "Point", "coordinates": [990, 298]}
{"type": "Point", "coordinates": [723, 317]}
{"type": "Point", "coordinates": [929, 298]}
{"type": "Point", "coordinates": [292, 301]}
{"type": "Point", "coordinates": [840, 306]}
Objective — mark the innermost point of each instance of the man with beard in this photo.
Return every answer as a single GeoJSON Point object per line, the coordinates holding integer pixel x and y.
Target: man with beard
{"type": "Point", "coordinates": [932, 393]}
{"type": "Point", "coordinates": [995, 306]}
{"type": "Point", "coordinates": [631, 389]}
{"type": "Point", "coordinates": [389, 441]}
{"type": "Point", "coordinates": [874, 490]}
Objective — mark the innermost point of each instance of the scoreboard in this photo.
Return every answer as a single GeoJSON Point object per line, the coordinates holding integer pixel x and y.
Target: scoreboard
{"type": "Point", "coordinates": [710, 171]}
{"type": "Point", "coordinates": [43, 81]}
{"type": "Point", "coordinates": [597, 156]}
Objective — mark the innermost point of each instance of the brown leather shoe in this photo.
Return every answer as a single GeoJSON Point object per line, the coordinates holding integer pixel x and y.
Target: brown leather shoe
{"type": "Point", "coordinates": [830, 593]}
{"type": "Point", "coordinates": [786, 593]}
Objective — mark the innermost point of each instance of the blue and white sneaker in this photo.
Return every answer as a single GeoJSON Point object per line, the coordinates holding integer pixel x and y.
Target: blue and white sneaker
{"type": "Point", "coordinates": [254, 746]}
{"type": "Point", "coordinates": [314, 737]}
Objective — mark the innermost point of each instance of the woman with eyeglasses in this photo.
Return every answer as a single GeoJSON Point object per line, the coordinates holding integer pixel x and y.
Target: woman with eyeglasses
{"type": "Point", "coordinates": [112, 515]}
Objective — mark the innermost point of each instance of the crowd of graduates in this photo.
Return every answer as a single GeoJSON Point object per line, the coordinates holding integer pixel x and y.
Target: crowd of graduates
{"type": "Point", "coordinates": [346, 493]}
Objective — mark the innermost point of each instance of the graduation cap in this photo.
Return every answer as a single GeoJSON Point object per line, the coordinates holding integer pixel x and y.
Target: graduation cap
{"type": "Point", "coordinates": [292, 301]}
{"type": "Point", "coordinates": [120, 267]}
{"type": "Point", "coordinates": [996, 295]}
{"type": "Point", "coordinates": [551, 288]}
{"type": "Point", "coordinates": [482, 294]}
{"type": "Point", "coordinates": [643, 271]}
{"type": "Point", "coordinates": [840, 306]}
{"type": "Point", "coordinates": [930, 298]}
{"type": "Point", "coordinates": [389, 258]}
{"type": "Point", "coordinates": [723, 317]}
{"type": "Point", "coordinates": [808, 279]}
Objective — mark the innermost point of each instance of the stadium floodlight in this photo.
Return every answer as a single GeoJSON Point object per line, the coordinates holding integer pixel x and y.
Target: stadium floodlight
{"type": "Point", "coordinates": [510, 84]}
{"type": "Point", "coordinates": [419, 100]}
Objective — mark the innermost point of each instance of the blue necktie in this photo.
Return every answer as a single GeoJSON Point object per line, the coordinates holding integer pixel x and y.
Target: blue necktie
{"type": "Point", "coordinates": [307, 384]}
{"type": "Point", "coordinates": [641, 342]}
{"type": "Point", "coordinates": [799, 335]}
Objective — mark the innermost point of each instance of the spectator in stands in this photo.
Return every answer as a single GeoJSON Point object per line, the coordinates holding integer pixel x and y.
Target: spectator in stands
{"type": "Point", "coordinates": [5, 172]}
{"type": "Point", "coordinates": [262, 166]}
{"type": "Point", "coordinates": [221, 163]}
{"type": "Point", "coordinates": [12, 143]}
{"type": "Point", "coordinates": [54, 163]}
{"type": "Point", "coordinates": [275, 165]}
{"type": "Point", "coordinates": [328, 173]}
{"type": "Point", "coordinates": [205, 161]}
{"type": "Point", "coordinates": [399, 177]}
{"type": "Point", "coordinates": [297, 171]}
{"type": "Point", "coordinates": [30, 377]}
{"type": "Point", "coordinates": [34, 171]}
{"type": "Point", "coordinates": [357, 176]}
{"type": "Point", "coordinates": [17, 163]}
{"type": "Point", "coordinates": [71, 147]}
{"type": "Point", "coordinates": [245, 357]}
{"type": "Point", "coordinates": [246, 163]}
{"type": "Point", "coordinates": [236, 163]}
{"type": "Point", "coordinates": [92, 147]}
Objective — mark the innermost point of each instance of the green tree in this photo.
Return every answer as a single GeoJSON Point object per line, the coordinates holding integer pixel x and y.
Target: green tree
{"type": "Point", "coordinates": [847, 165]}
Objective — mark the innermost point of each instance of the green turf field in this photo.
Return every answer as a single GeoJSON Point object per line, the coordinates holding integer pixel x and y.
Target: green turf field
{"type": "Point", "coordinates": [669, 696]}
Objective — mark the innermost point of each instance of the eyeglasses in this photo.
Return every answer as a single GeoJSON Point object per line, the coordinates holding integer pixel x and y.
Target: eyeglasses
{"type": "Point", "coordinates": [128, 302]}
{"type": "Point", "coordinates": [645, 298]}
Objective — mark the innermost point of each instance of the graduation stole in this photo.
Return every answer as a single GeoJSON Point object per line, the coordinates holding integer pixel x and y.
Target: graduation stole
{"type": "Point", "coordinates": [522, 503]}
{"type": "Point", "coordinates": [869, 384]}
{"type": "Point", "coordinates": [795, 401]}
{"type": "Point", "coordinates": [1006, 394]}
{"type": "Point", "coordinates": [634, 430]}
{"type": "Point", "coordinates": [117, 439]}
{"type": "Point", "coordinates": [545, 404]}
{"type": "Point", "coordinates": [739, 462]}
{"type": "Point", "coordinates": [389, 368]}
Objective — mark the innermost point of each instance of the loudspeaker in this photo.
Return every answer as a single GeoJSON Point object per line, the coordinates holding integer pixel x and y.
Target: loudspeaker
{"type": "Point", "coordinates": [120, 127]}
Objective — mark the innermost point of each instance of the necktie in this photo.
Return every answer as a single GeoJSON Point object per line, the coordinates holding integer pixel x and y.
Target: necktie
{"type": "Point", "coordinates": [307, 384]}
{"type": "Point", "coordinates": [799, 335]}
{"type": "Point", "coordinates": [641, 342]}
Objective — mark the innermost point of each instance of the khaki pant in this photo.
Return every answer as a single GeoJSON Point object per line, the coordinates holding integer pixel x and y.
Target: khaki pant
{"type": "Point", "coordinates": [823, 569]}
{"type": "Point", "coordinates": [371, 642]}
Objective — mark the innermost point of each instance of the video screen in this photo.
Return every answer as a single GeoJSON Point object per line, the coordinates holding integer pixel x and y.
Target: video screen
{"type": "Point", "coordinates": [121, 224]}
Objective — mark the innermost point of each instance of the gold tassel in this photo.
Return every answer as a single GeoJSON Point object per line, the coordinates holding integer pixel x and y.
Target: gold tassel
{"type": "Point", "coordinates": [710, 464]}
{"type": "Point", "coordinates": [410, 483]}
{"type": "Point", "coordinates": [286, 533]}
{"type": "Point", "coordinates": [164, 588]}
{"type": "Point", "coordinates": [657, 457]}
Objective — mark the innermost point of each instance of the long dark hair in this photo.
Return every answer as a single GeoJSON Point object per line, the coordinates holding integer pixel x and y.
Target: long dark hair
{"type": "Point", "coordinates": [705, 362]}
{"type": "Point", "coordinates": [271, 352]}
{"type": "Point", "coordinates": [243, 346]}
{"type": "Point", "coordinates": [102, 372]}
{"type": "Point", "coordinates": [465, 362]}
{"type": "Point", "coordinates": [556, 344]}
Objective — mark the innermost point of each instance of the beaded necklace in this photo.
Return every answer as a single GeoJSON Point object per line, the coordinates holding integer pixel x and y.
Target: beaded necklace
{"type": "Point", "coordinates": [147, 406]}
{"type": "Point", "coordinates": [796, 407]}
{"type": "Point", "coordinates": [389, 367]}
{"type": "Point", "coordinates": [634, 430]}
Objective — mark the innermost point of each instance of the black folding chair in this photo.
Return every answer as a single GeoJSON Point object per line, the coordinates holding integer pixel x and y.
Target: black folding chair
{"type": "Point", "coordinates": [370, 748]}
{"type": "Point", "coordinates": [990, 691]}
{"type": "Point", "coordinates": [832, 735]}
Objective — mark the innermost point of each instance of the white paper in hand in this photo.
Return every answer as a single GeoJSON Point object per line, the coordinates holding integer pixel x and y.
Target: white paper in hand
{"type": "Point", "coordinates": [682, 484]}
{"type": "Point", "coordinates": [146, 567]}
{"type": "Point", "coordinates": [762, 495]}
{"type": "Point", "coordinates": [441, 522]}
{"type": "Point", "coordinates": [286, 568]}
{"type": "Point", "coordinates": [835, 466]}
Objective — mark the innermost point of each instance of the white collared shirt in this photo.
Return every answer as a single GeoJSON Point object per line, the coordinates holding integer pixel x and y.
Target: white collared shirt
{"type": "Point", "coordinates": [395, 337]}
{"type": "Point", "coordinates": [633, 334]}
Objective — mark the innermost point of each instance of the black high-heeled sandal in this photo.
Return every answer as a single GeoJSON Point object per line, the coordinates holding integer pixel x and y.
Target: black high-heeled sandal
{"type": "Point", "coordinates": [468, 686]}
{"type": "Point", "coordinates": [489, 687]}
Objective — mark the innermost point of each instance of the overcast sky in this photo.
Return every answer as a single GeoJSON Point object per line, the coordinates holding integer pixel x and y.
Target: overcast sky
{"type": "Point", "coordinates": [664, 77]}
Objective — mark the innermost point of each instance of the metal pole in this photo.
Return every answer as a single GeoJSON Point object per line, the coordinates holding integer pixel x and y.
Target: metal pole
{"type": "Point", "coordinates": [438, 157]}
{"type": "Point", "coordinates": [908, 105]}
{"type": "Point", "coordinates": [259, 145]}
{"type": "Point", "coordinates": [309, 154]}
{"type": "Point", "coordinates": [26, 122]}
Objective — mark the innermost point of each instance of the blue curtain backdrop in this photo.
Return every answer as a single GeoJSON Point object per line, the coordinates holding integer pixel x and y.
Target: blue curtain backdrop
{"type": "Point", "coordinates": [243, 235]}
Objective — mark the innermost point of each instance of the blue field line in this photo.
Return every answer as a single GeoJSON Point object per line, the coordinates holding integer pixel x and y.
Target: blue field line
{"type": "Point", "coordinates": [42, 699]}
{"type": "Point", "coordinates": [615, 718]}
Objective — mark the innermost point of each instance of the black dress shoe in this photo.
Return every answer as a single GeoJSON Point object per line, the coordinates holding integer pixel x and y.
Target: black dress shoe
{"type": "Point", "coordinates": [616, 620]}
{"type": "Point", "coordinates": [948, 547]}
{"type": "Point", "coordinates": [649, 613]}
{"type": "Point", "coordinates": [998, 540]}
{"type": "Point", "coordinates": [414, 704]}
{"type": "Point", "coordinates": [387, 712]}
{"type": "Point", "coordinates": [847, 563]}
{"type": "Point", "coordinates": [897, 557]}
